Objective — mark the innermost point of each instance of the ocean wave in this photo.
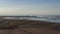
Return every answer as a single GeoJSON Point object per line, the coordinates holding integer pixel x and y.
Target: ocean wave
{"type": "Point", "coordinates": [43, 18]}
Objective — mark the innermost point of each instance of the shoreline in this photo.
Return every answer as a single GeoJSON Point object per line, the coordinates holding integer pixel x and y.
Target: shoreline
{"type": "Point", "coordinates": [9, 22]}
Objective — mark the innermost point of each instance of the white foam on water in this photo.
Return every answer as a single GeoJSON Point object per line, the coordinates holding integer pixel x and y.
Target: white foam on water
{"type": "Point", "coordinates": [46, 18]}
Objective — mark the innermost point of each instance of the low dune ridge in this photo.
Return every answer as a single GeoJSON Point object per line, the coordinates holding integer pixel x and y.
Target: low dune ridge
{"type": "Point", "coordinates": [9, 26]}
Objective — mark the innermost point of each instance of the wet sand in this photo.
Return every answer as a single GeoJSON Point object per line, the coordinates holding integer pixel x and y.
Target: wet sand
{"type": "Point", "coordinates": [28, 27]}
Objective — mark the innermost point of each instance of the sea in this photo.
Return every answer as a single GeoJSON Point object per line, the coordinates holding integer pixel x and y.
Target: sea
{"type": "Point", "coordinates": [48, 18]}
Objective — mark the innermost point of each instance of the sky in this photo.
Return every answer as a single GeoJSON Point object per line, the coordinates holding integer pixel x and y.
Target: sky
{"type": "Point", "coordinates": [29, 7]}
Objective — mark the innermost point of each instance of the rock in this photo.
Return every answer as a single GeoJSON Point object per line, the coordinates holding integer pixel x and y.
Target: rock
{"type": "Point", "coordinates": [57, 27]}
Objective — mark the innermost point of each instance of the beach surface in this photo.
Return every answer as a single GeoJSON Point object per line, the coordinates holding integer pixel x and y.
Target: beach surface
{"type": "Point", "coordinates": [27, 27]}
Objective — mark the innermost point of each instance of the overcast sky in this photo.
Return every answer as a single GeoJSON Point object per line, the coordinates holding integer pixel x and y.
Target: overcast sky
{"type": "Point", "coordinates": [29, 7]}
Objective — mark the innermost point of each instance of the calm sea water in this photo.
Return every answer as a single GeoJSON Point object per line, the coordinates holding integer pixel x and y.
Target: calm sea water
{"type": "Point", "coordinates": [49, 18]}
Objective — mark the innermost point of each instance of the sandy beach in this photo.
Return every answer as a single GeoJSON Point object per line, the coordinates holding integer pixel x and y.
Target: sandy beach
{"type": "Point", "coordinates": [28, 27]}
